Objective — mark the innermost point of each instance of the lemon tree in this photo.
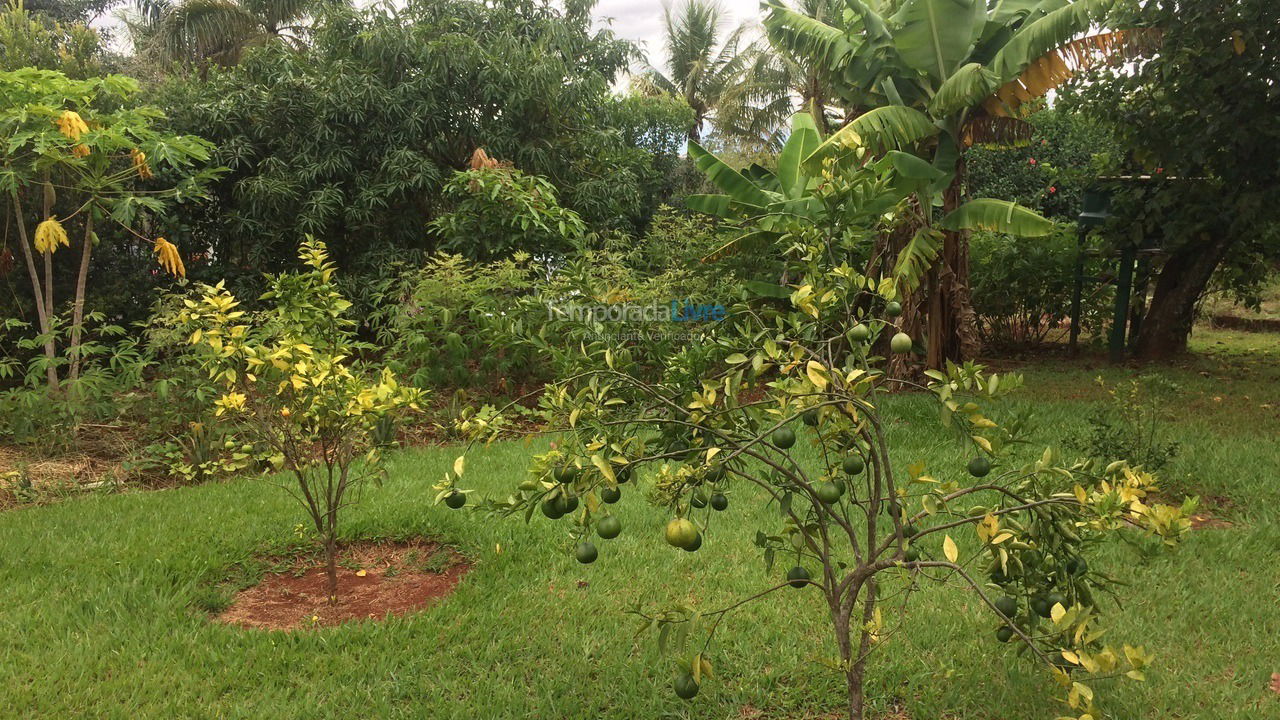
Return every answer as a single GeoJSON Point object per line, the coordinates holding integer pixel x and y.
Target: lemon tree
{"type": "Point", "coordinates": [292, 384]}
{"type": "Point", "coordinates": [789, 402]}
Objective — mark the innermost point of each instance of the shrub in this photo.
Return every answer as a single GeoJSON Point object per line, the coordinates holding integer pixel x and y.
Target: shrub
{"type": "Point", "coordinates": [290, 382]}
{"type": "Point", "coordinates": [1022, 287]}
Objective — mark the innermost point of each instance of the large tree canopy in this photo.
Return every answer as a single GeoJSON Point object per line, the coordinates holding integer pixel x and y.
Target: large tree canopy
{"type": "Point", "coordinates": [1203, 112]}
{"type": "Point", "coordinates": [352, 138]}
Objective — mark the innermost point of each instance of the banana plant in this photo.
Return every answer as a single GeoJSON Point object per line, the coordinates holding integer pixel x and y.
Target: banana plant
{"type": "Point", "coordinates": [938, 76]}
{"type": "Point", "coordinates": [803, 190]}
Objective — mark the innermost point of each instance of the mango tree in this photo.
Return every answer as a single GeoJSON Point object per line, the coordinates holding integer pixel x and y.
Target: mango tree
{"type": "Point", "coordinates": [789, 409]}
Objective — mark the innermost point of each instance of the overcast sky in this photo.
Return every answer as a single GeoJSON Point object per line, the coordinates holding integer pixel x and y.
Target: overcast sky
{"type": "Point", "coordinates": [641, 21]}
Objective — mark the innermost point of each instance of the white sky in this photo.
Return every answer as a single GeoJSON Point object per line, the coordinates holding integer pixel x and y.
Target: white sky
{"type": "Point", "coordinates": [641, 21]}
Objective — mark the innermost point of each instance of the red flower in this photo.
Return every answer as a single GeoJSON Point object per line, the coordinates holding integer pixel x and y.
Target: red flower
{"type": "Point", "coordinates": [1032, 161]}
{"type": "Point", "coordinates": [1052, 189]}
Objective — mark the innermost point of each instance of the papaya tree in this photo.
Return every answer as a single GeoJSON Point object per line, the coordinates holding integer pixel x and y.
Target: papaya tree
{"type": "Point", "coordinates": [79, 155]}
{"type": "Point", "coordinates": [934, 78]}
{"type": "Point", "coordinates": [785, 405]}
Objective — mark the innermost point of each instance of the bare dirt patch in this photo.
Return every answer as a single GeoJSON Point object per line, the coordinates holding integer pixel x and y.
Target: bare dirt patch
{"type": "Point", "coordinates": [375, 580]}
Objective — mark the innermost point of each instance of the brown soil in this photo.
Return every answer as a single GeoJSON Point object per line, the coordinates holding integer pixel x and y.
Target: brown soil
{"type": "Point", "coordinates": [375, 580]}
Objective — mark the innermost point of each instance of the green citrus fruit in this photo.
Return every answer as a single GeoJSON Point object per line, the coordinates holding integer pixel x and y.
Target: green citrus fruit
{"type": "Point", "coordinates": [860, 333]}
{"type": "Point", "coordinates": [622, 474]}
{"type": "Point", "coordinates": [979, 466]}
{"type": "Point", "coordinates": [853, 465]}
{"type": "Point", "coordinates": [455, 499]}
{"type": "Point", "coordinates": [699, 499]}
{"type": "Point", "coordinates": [566, 474]}
{"type": "Point", "coordinates": [1007, 605]}
{"type": "Point", "coordinates": [998, 577]}
{"type": "Point", "coordinates": [685, 686]}
{"type": "Point", "coordinates": [894, 510]}
{"type": "Point", "coordinates": [719, 502]}
{"type": "Point", "coordinates": [609, 527]}
{"type": "Point", "coordinates": [551, 508]}
{"type": "Point", "coordinates": [586, 553]}
{"type": "Point", "coordinates": [901, 343]}
{"type": "Point", "coordinates": [1004, 634]}
{"type": "Point", "coordinates": [912, 554]}
{"type": "Point", "coordinates": [810, 417]}
{"type": "Point", "coordinates": [784, 438]}
{"type": "Point", "coordinates": [681, 533]}
{"type": "Point", "coordinates": [611, 495]}
{"type": "Point", "coordinates": [715, 473]}
{"type": "Point", "coordinates": [798, 577]}
{"type": "Point", "coordinates": [893, 309]}
{"type": "Point", "coordinates": [910, 531]}
{"type": "Point", "coordinates": [1057, 598]}
{"type": "Point", "coordinates": [569, 504]}
{"type": "Point", "coordinates": [828, 492]}
{"type": "Point", "coordinates": [693, 546]}
{"type": "Point", "coordinates": [1040, 606]}
{"type": "Point", "coordinates": [1076, 566]}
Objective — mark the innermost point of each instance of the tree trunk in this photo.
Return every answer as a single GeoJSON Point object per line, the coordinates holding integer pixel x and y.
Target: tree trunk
{"type": "Point", "coordinates": [77, 309]}
{"type": "Point", "coordinates": [953, 324]}
{"type": "Point", "coordinates": [331, 565]}
{"type": "Point", "coordinates": [1182, 281]}
{"type": "Point", "coordinates": [42, 311]}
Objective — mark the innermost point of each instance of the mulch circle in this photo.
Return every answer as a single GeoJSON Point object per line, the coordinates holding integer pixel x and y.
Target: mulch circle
{"type": "Point", "coordinates": [375, 580]}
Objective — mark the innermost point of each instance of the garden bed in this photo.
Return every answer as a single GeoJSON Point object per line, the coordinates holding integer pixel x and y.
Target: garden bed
{"type": "Point", "coordinates": [375, 580]}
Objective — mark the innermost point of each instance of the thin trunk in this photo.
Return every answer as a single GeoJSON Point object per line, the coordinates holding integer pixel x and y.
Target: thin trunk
{"type": "Point", "coordinates": [42, 310]}
{"type": "Point", "coordinates": [77, 309]}
{"type": "Point", "coordinates": [331, 564]}
{"type": "Point", "coordinates": [858, 670]}
{"type": "Point", "coordinates": [1182, 282]}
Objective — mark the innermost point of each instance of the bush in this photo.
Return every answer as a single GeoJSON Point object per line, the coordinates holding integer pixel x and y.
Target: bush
{"type": "Point", "coordinates": [1022, 287]}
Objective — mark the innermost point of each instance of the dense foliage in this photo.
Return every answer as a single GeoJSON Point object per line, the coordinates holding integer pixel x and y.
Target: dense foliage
{"type": "Point", "coordinates": [1198, 118]}
{"type": "Point", "coordinates": [353, 138]}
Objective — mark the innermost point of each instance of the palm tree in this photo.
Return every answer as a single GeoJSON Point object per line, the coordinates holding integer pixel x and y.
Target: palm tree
{"type": "Point", "coordinates": [936, 77]}
{"type": "Point", "coordinates": [218, 31]}
{"type": "Point", "coordinates": [730, 84]}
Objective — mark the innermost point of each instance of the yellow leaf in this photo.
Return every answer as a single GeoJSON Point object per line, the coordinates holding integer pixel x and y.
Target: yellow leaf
{"type": "Point", "coordinates": [459, 465]}
{"type": "Point", "coordinates": [982, 442]}
{"type": "Point", "coordinates": [1057, 612]}
{"type": "Point", "coordinates": [817, 374]}
{"type": "Point", "coordinates": [949, 549]}
{"type": "Point", "coordinates": [361, 573]}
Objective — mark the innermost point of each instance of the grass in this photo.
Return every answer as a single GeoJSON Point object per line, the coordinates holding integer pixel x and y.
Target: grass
{"type": "Point", "coordinates": [100, 596]}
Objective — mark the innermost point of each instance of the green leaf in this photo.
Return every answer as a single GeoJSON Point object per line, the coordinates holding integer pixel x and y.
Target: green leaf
{"type": "Point", "coordinates": [936, 36]}
{"type": "Point", "coordinates": [803, 141]}
{"type": "Point", "coordinates": [967, 87]}
{"type": "Point", "coordinates": [884, 128]}
{"type": "Point", "coordinates": [997, 216]}
{"type": "Point", "coordinates": [914, 260]}
{"type": "Point", "coordinates": [739, 188]}
{"type": "Point", "coordinates": [1043, 35]}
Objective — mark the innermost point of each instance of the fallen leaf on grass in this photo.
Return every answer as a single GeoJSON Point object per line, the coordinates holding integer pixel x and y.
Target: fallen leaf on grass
{"type": "Point", "coordinates": [1275, 683]}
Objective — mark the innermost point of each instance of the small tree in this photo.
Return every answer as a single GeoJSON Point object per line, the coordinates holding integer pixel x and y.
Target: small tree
{"type": "Point", "coordinates": [292, 384]}
{"type": "Point", "coordinates": [1018, 533]}
{"type": "Point", "coordinates": [82, 149]}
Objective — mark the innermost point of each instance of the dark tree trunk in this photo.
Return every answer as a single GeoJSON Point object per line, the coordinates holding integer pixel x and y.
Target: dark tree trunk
{"type": "Point", "coordinates": [1182, 281]}
{"type": "Point", "coordinates": [953, 324]}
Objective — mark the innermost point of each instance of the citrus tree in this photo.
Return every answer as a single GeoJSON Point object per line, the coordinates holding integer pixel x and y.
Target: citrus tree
{"type": "Point", "coordinates": [79, 155]}
{"type": "Point", "coordinates": [291, 384]}
{"type": "Point", "coordinates": [787, 408]}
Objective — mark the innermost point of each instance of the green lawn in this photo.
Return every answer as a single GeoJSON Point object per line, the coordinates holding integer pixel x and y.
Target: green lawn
{"type": "Point", "coordinates": [98, 596]}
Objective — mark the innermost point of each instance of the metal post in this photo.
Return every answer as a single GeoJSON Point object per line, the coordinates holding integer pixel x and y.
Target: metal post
{"type": "Point", "coordinates": [1124, 288]}
{"type": "Point", "coordinates": [1077, 294]}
